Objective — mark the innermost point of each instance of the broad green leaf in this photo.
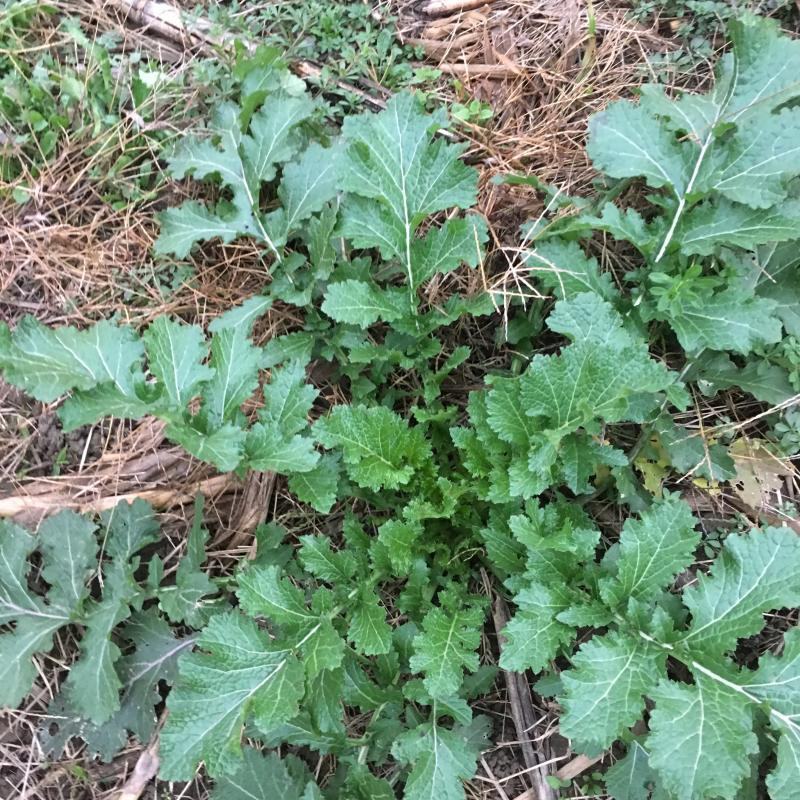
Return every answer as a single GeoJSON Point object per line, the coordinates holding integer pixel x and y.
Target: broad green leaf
{"type": "Point", "coordinates": [766, 382]}
{"type": "Point", "coordinates": [378, 447]}
{"type": "Point", "coordinates": [652, 551]}
{"type": "Point", "coordinates": [507, 414]}
{"type": "Point", "coordinates": [726, 321]}
{"type": "Point", "coordinates": [262, 592]}
{"type": "Point", "coordinates": [399, 538]}
{"type": "Point", "coordinates": [369, 631]}
{"type": "Point", "coordinates": [359, 303]}
{"type": "Point", "coordinates": [68, 548]}
{"type": "Point", "coordinates": [753, 166]}
{"type": "Point", "coordinates": [235, 361]}
{"type": "Point", "coordinates": [69, 555]}
{"type": "Point", "coordinates": [322, 648]}
{"type": "Point", "coordinates": [712, 224]}
{"type": "Point", "coordinates": [777, 679]}
{"type": "Point", "coordinates": [628, 141]}
{"type": "Point", "coordinates": [272, 139]}
{"type": "Point", "coordinates": [242, 316]}
{"type": "Point", "coordinates": [183, 600]}
{"type": "Point", "coordinates": [191, 222]}
{"type": "Point", "coordinates": [154, 659]}
{"type": "Point", "coordinates": [322, 562]}
{"type": "Point", "coordinates": [399, 175]}
{"type": "Point", "coordinates": [261, 776]}
{"type": "Point", "coordinates": [563, 268]}
{"type": "Point", "coordinates": [307, 185]}
{"type": "Point", "coordinates": [175, 351]}
{"type": "Point", "coordinates": [701, 738]}
{"type": "Point", "coordinates": [269, 451]}
{"type": "Point", "coordinates": [234, 675]}
{"type": "Point", "coordinates": [458, 241]}
{"type": "Point", "coordinates": [48, 362]}
{"type": "Point", "coordinates": [222, 447]}
{"type": "Point", "coordinates": [755, 573]}
{"type": "Point", "coordinates": [129, 527]}
{"type": "Point", "coordinates": [317, 487]}
{"type": "Point", "coordinates": [93, 684]}
{"type": "Point", "coordinates": [629, 777]}
{"type": "Point", "coordinates": [604, 690]}
{"type": "Point", "coordinates": [534, 636]}
{"type": "Point", "coordinates": [106, 400]}
{"type": "Point", "coordinates": [324, 699]}
{"type": "Point", "coordinates": [288, 399]}
{"type": "Point", "coordinates": [440, 760]}
{"type": "Point", "coordinates": [762, 72]}
{"type": "Point", "coordinates": [782, 781]}
{"type": "Point", "coordinates": [446, 647]}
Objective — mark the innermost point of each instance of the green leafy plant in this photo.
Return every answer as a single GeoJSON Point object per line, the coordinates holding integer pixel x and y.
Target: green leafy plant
{"type": "Point", "coordinates": [82, 91]}
{"type": "Point", "coordinates": [364, 645]}
{"type": "Point", "coordinates": [713, 722]}
{"type": "Point", "coordinates": [87, 581]}
{"type": "Point", "coordinates": [104, 368]}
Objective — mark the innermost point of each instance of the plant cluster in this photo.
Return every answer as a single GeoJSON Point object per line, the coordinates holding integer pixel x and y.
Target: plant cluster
{"type": "Point", "coordinates": [74, 574]}
{"type": "Point", "coordinates": [366, 645]}
{"type": "Point", "coordinates": [354, 43]}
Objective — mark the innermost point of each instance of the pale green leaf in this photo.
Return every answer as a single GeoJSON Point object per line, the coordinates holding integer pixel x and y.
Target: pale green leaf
{"type": "Point", "coordinates": [701, 739]}
{"type": "Point", "coordinates": [534, 636]}
{"type": "Point", "coordinates": [235, 361]}
{"type": "Point", "coordinates": [261, 776]}
{"type": "Point", "coordinates": [319, 486]}
{"type": "Point", "coordinates": [222, 447]}
{"type": "Point", "coordinates": [48, 362]}
{"type": "Point", "coordinates": [205, 723]}
{"type": "Point", "coordinates": [269, 451]}
{"type": "Point", "coordinates": [93, 684]}
{"type": "Point", "coordinates": [446, 647]}
{"type": "Point", "coordinates": [288, 399]}
{"type": "Point", "coordinates": [726, 321]}
{"type": "Point", "coordinates": [755, 573]}
{"type": "Point", "coordinates": [191, 222]}
{"type": "Point", "coordinates": [262, 592]}
{"type": "Point", "coordinates": [394, 162]}
{"type": "Point", "coordinates": [440, 760]}
{"type": "Point", "coordinates": [629, 777]}
{"type": "Point", "coordinates": [712, 224]}
{"type": "Point", "coordinates": [369, 631]}
{"type": "Point", "coordinates": [175, 351]}
{"type": "Point", "coordinates": [652, 551]}
{"type": "Point", "coordinates": [628, 141]}
{"type": "Point", "coordinates": [604, 690]}
{"type": "Point", "coordinates": [378, 447]}
{"type": "Point", "coordinates": [360, 303]}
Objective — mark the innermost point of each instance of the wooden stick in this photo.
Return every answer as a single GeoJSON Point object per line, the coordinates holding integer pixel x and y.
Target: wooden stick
{"type": "Point", "coordinates": [144, 771]}
{"type": "Point", "coordinates": [441, 8]}
{"type": "Point", "coordinates": [523, 714]}
{"type": "Point", "coordinates": [486, 70]}
{"type": "Point", "coordinates": [159, 498]}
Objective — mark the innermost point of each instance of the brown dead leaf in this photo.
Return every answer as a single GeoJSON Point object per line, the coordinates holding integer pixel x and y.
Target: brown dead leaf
{"type": "Point", "coordinates": [759, 472]}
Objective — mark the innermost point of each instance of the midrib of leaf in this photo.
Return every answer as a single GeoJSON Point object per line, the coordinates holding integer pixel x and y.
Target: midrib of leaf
{"type": "Point", "coordinates": [717, 619]}
{"type": "Point", "coordinates": [700, 158]}
{"type": "Point", "coordinates": [149, 666]}
{"type": "Point", "coordinates": [691, 663]}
